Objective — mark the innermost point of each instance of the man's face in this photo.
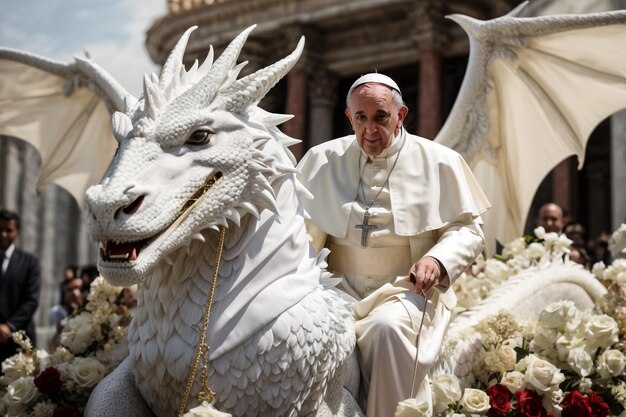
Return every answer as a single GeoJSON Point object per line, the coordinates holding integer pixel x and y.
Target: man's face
{"type": "Point", "coordinates": [8, 233]}
{"type": "Point", "coordinates": [73, 293]}
{"type": "Point", "coordinates": [374, 117]}
{"type": "Point", "coordinates": [551, 218]}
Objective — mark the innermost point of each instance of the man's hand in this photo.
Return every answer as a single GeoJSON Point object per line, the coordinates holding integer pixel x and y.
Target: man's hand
{"type": "Point", "coordinates": [5, 333]}
{"type": "Point", "coordinates": [424, 274]}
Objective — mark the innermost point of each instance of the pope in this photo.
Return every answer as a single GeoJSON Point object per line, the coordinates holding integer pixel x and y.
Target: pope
{"type": "Point", "coordinates": [401, 217]}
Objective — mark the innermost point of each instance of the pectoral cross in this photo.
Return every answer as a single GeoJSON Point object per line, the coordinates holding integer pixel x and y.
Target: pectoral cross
{"type": "Point", "coordinates": [365, 228]}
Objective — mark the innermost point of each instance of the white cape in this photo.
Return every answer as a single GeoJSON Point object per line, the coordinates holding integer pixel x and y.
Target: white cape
{"type": "Point", "coordinates": [330, 172]}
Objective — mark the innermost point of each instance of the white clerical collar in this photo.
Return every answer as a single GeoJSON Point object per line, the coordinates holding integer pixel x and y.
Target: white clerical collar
{"type": "Point", "coordinates": [391, 149]}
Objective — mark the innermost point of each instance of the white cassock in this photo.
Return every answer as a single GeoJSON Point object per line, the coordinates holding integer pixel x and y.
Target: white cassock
{"type": "Point", "coordinates": [430, 205]}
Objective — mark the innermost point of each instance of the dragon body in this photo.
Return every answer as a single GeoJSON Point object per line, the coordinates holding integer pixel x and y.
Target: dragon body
{"type": "Point", "coordinates": [196, 155]}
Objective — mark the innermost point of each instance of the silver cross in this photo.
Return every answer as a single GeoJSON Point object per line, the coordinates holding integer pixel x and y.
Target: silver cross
{"type": "Point", "coordinates": [365, 228]}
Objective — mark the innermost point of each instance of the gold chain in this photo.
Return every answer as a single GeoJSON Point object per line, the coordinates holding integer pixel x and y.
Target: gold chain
{"type": "Point", "coordinates": [202, 350]}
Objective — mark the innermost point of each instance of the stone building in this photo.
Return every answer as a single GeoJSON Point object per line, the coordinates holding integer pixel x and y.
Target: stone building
{"type": "Point", "coordinates": [409, 40]}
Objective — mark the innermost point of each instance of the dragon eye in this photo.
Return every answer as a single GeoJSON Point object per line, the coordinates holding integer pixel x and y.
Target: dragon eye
{"type": "Point", "coordinates": [199, 137]}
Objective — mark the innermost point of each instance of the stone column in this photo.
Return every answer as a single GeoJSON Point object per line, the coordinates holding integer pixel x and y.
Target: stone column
{"type": "Point", "coordinates": [618, 169]}
{"type": "Point", "coordinates": [429, 93]}
{"type": "Point", "coordinates": [13, 170]}
{"type": "Point", "coordinates": [296, 105]}
{"type": "Point", "coordinates": [296, 101]}
{"type": "Point", "coordinates": [323, 98]}
{"type": "Point", "coordinates": [30, 201]}
{"type": "Point", "coordinates": [429, 38]}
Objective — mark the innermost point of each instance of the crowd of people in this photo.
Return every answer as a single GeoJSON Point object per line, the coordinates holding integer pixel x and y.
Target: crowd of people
{"type": "Point", "coordinates": [584, 251]}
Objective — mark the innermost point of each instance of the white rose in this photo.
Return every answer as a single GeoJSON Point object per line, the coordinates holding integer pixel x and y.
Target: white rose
{"type": "Point", "coordinates": [507, 356]}
{"type": "Point", "coordinates": [544, 339]}
{"type": "Point", "coordinates": [514, 381]}
{"type": "Point", "coordinates": [543, 376]}
{"type": "Point", "coordinates": [536, 250]}
{"type": "Point", "coordinates": [601, 330]}
{"type": "Point", "coordinates": [22, 391]}
{"type": "Point", "coordinates": [78, 332]}
{"type": "Point", "coordinates": [611, 363]}
{"type": "Point", "coordinates": [205, 410]}
{"type": "Point", "coordinates": [567, 343]}
{"type": "Point", "coordinates": [540, 232]}
{"type": "Point", "coordinates": [87, 372]}
{"type": "Point", "coordinates": [525, 361]}
{"type": "Point", "coordinates": [496, 271]}
{"type": "Point", "coordinates": [514, 248]}
{"type": "Point", "coordinates": [580, 361]}
{"type": "Point", "coordinates": [61, 355]}
{"type": "Point", "coordinates": [413, 408]}
{"type": "Point", "coordinates": [552, 402]}
{"type": "Point", "coordinates": [598, 269]}
{"type": "Point", "coordinates": [557, 315]}
{"type": "Point", "coordinates": [446, 390]}
{"type": "Point", "coordinates": [617, 242]}
{"type": "Point", "coordinates": [475, 401]}
{"type": "Point", "coordinates": [562, 244]}
{"type": "Point", "coordinates": [550, 237]}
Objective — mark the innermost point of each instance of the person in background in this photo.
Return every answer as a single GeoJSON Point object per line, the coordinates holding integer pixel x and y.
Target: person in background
{"type": "Point", "coordinates": [88, 274]}
{"type": "Point", "coordinates": [550, 217]}
{"type": "Point", "coordinates": [20, 283]}
{"type": "Point", "coordinates": [73, 298]}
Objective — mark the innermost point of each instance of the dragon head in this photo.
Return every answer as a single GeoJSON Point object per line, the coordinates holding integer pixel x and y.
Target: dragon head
{"type": "Point", "coordinates": [194, 152]}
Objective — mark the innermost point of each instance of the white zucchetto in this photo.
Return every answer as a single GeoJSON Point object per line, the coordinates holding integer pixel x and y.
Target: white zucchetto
{"type": "Point", "coordinates": [375, 77]}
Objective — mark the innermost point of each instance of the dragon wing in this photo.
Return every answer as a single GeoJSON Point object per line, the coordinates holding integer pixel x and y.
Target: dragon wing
{"type": "Point", "coordinates": [534, 90]}
{"type": "Point", "coordinates": [43, 102]}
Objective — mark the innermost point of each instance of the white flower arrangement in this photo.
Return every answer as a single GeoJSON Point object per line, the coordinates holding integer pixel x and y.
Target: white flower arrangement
{"type": "Point", "coordinates": [38, 384]}
{"type": "Point", "coordinates": [518, 255]}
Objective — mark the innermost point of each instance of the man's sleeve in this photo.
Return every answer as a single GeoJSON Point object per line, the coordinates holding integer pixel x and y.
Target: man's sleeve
{"type": "Point", "coordinates": [458, 245]}
{"type": "Point", "coordinates": [30, 296]}
{"type": "Point", "coordinates": [316, 236]}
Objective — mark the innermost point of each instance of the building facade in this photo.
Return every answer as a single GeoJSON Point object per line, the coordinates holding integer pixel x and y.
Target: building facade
{"type": "Point", "coordinates": [411, 41]}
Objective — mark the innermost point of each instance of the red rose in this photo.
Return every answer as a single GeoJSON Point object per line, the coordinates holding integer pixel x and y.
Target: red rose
{"type": "Point", "coordinates": [529, 404]}
{"type": "Point", "coordinates": [499, 400]}
{"type": "Point", "coordinates": [49, 381]}
{"type": "Point", "coordinates": [599, 407]}
{"type": "Point", "coordinates": [576, 405]}
{"type": "Point", "coordinates": [66, 411]}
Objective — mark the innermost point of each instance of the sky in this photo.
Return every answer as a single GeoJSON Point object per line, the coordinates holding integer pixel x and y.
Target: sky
{"type": "Point", "coordinates": [113, 32]}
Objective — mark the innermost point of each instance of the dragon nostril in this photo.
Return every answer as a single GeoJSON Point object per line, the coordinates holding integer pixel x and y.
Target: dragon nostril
{"type": "Point", "coordinates": [134, 206]}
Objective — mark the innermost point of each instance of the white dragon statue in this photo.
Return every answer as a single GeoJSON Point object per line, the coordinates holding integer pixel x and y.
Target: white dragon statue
{"type": "Point", "coordinates": [195, 158]}
{"type": "Point", "coordinates": [200, 206]}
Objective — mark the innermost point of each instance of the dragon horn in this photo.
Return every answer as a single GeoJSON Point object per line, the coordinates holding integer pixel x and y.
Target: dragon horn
{"type": "Point", "coordinates": [252, 88]}
{"type": "Point", "coordinates": [204, 92]}
{"type": "Point", "coordinates": [120, 98]}
{"type": "Point", "coordinates": [175, 59]}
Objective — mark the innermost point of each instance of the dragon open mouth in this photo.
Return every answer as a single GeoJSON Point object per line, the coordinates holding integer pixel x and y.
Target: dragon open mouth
{"type": "Point", "coordinates": [129, 251]}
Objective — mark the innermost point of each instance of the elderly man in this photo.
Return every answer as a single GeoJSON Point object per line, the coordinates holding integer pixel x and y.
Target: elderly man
{"type": "Point", "coordinates": [550, 216]}
{"type": "Point", "coordinates": [401, 216]}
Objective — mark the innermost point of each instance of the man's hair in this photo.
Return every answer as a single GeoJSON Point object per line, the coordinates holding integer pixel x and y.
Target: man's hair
{"type": "Point", "coordinates": [548, 204]}
{"type": "Point", "coordinates": [9, 215]}
{"type": "Point", "coordinates": [395, 97]}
